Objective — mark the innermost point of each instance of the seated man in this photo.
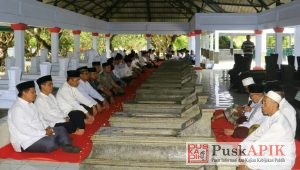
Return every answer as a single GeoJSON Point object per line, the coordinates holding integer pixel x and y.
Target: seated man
{"type": "Point", "coordinates": [69, 100]}
{"type": "Point", "coordinates": [106, 83]}
{"type": "Point", "coordinates": [255, 117]}
{"type": "Point", "coordinates": [122, 70]}
{"type": "Point", "coordinates": [284, 106]}
{"type": "Point", "coordinates": [114, 72]}
{"type": "Point", "coordinates": [234, 112]}
{"type": "Point", "coordinates": [276, 129]}
{"type": "Point", "coordinates": [48, 108]}
{"type": "Point", "coordinates": [28, 133]}
{"type": "Point", "coordinates": [247, 82]}
{"type": "Point", "coordinates": [88, 91]}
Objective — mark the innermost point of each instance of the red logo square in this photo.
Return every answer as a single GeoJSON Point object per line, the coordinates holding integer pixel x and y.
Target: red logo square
{"type": "Point", "coordinates": [197, 153]}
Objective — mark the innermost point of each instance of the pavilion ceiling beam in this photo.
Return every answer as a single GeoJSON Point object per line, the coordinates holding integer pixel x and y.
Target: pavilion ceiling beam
{"type": "Point", "coordinates": [263, 4]}
{"type": "Point", "coordinates": [235, 4]}
{"type": "Point", "coordinates": [187, 10]}
{"type": "Point", "coordinates": [256, 8]}
{"type": "Point", "coordinates": [148, 11]}
{"type": "Point", "coordinates": [139, 17]}
{"type": "Point", "coordinates": [56, 2]}
{"type": "Point", "coordinates": [124, 2]}
{"type": "Point", "coordinates": [191, 2]}
{"type": "Point", "coordinates": [109, 9]}
{"type": "Point", "coordinates": [87, 10]}
{"type": "Point", "coordinates": [71, 2]}
{"type": "Point", "coordinates": [178, 9]}
{"type": "Point", "coordinates": [215, 7]}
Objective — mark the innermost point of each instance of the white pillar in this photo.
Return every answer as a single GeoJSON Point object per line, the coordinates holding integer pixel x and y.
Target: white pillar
{"type": "Point", "coordinates": [207, 41]}
{"type": "Point", "coordinates": [278, 47]}
{"type": "Point", "coordinates": [14, 77]}
{"type": "Point", "coordinates": [107, 45]}
{"type": "Point", "coordinates": [54, 43]}
{"type": "Point", "coordinates": [216, 41]}
{"type": "Point", "coordinates": [76, 51]}
{"type": "Point", "coordinates": [258, 47]}
{"type": "Point", "coordinates": [193, 43]}
{"type": "Point", "coordinates": [211, 42]}
{"type": "Point", "coordinates": [63, 66]}
{"type": "Point", "coordinates": [297, 45]}
{"type": "Point", "coordinates": [9, 62]}
{"type": "Point", "coordinates": [95, 41]}
{"type": "Point", "coordinates": [231, 41]}
{"type": "Point", "coordinates": [197, 48]}
{"type": "Point", "coordinates": [148, 39]}
{"type": "Point", "coordinates": [34, 63]}
{"type": "Point", "coordinates": [19, 44]}
{"type": "Point", "coordinates": [45, 68]}
{"type": "Point", "coordinates": [189, 42]}
{"type": "Point", "coordinates": [43, 55]}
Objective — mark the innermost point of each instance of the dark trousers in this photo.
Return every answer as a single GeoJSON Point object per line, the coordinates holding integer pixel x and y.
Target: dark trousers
{"type": "Point", "coordinates": [50, 143]}
{"type": "Point", "coordinates": [69, 126]}
{"type": "Point", "coordinates": [98, 101]}
{"type": "Point", "coordinates": [89, 109]}
{"type": "Point", "coordinates": [77, 118]}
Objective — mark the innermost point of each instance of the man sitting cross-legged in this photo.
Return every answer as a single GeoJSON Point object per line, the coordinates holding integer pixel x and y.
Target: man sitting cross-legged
{"type": "Point", "coordinates": [107, 84]}
{"type": "Point", "coordinates": [88, 91]}
{"type": "Point", "coordinates": [27, 132]}
{"type": "Point", "coordinates": [69, 100]}
{"type": "Point", "coordinates": [48, 108]}
{"type": "Point", "coordinates": [255, 117]}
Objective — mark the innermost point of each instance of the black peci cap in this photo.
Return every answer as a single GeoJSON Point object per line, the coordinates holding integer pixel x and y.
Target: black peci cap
{"type": "Point", "coordinates": [256, 88]}
{"type": "Point", "coordinates": [105, 64]}
{"type": "Point", "coordinates": [92, 69]}
{"type": "Point", "coordinates": [96, 63]}
{"type": "Point", "coordinates": [43, 79]}
{"type": "Point", "coordinates": [82, 69]}
{"type": "Point", "coordinates": [25, 85]}
{"type": "Point", "coordinates": [73, 73]}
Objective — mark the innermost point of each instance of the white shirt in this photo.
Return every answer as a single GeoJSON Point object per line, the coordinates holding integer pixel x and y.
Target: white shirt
{"type": "Point", "coordinates": [142, 61]}
{"type": "Point", "coordinates": [290, 113]}
{"type": "Point", "coordinates": [256, 116]}
{"type": "Point", "coordinates": [24, 124]}
{"type": "Point", "coordinates": [69, 98]}
{"type": "Point", "coordinates": [274, 129]}
{"type": "Point", "coordinates": [88, 91]}
{"type": "Point", "coordinates": [48, 109]}
{"type": "Point", "coordinates": [123, 70]}
{"type": "Point", "coordinates": [152, 57]}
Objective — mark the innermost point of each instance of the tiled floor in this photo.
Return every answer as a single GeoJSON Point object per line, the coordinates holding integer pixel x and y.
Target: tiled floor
{"type": "Point", "coordinates": [8, 164]}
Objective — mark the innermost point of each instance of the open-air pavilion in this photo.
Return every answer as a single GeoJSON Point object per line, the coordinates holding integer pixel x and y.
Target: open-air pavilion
{"type": "Point", "coordinates": [203, 21]}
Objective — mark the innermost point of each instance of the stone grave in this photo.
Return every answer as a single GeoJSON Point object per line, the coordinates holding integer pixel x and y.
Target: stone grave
{"type": "Point", "coordinates": [152, 130]}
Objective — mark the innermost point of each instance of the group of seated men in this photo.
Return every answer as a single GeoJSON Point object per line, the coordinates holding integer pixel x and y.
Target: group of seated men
{"type": "Point", "coordinates": [41, 122]}
{"type": "Point", "coordinates": [268, 117]}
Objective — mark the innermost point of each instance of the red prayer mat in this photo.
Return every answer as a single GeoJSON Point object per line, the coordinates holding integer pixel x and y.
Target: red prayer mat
{"type": "Point", "coordinates": [84, 141]}
{"type": "Point", "coordinates": [219, 125]}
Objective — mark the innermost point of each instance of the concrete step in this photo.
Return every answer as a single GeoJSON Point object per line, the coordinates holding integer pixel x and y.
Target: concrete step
{"type": "Point", "coordinates": [190, 116]}
{"type": "Point", "coordinates": [142, 148]}
{"type": "Point", "coordinates": [165, 91]}
{"type": "Point", "coordinates": [128, 131]}
{"type": "Point", "coordinates": [164, 98]}
{"type": "Point", "coordinates": [136, 165]}
{"type": "Point", "coordinates": [134, 107]}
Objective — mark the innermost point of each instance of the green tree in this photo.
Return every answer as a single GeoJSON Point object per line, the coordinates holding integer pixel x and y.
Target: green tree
{"type": "Point", "coordinates": [128, 42]}
{"type": "Point", "coordinates": [161, 42]}
{"type": "Point", "coordinates": [181, 42]}
{"type": "Point", "coordinates": [6, 41]}
{"type": "Point", "coordinates": [224, 42]}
